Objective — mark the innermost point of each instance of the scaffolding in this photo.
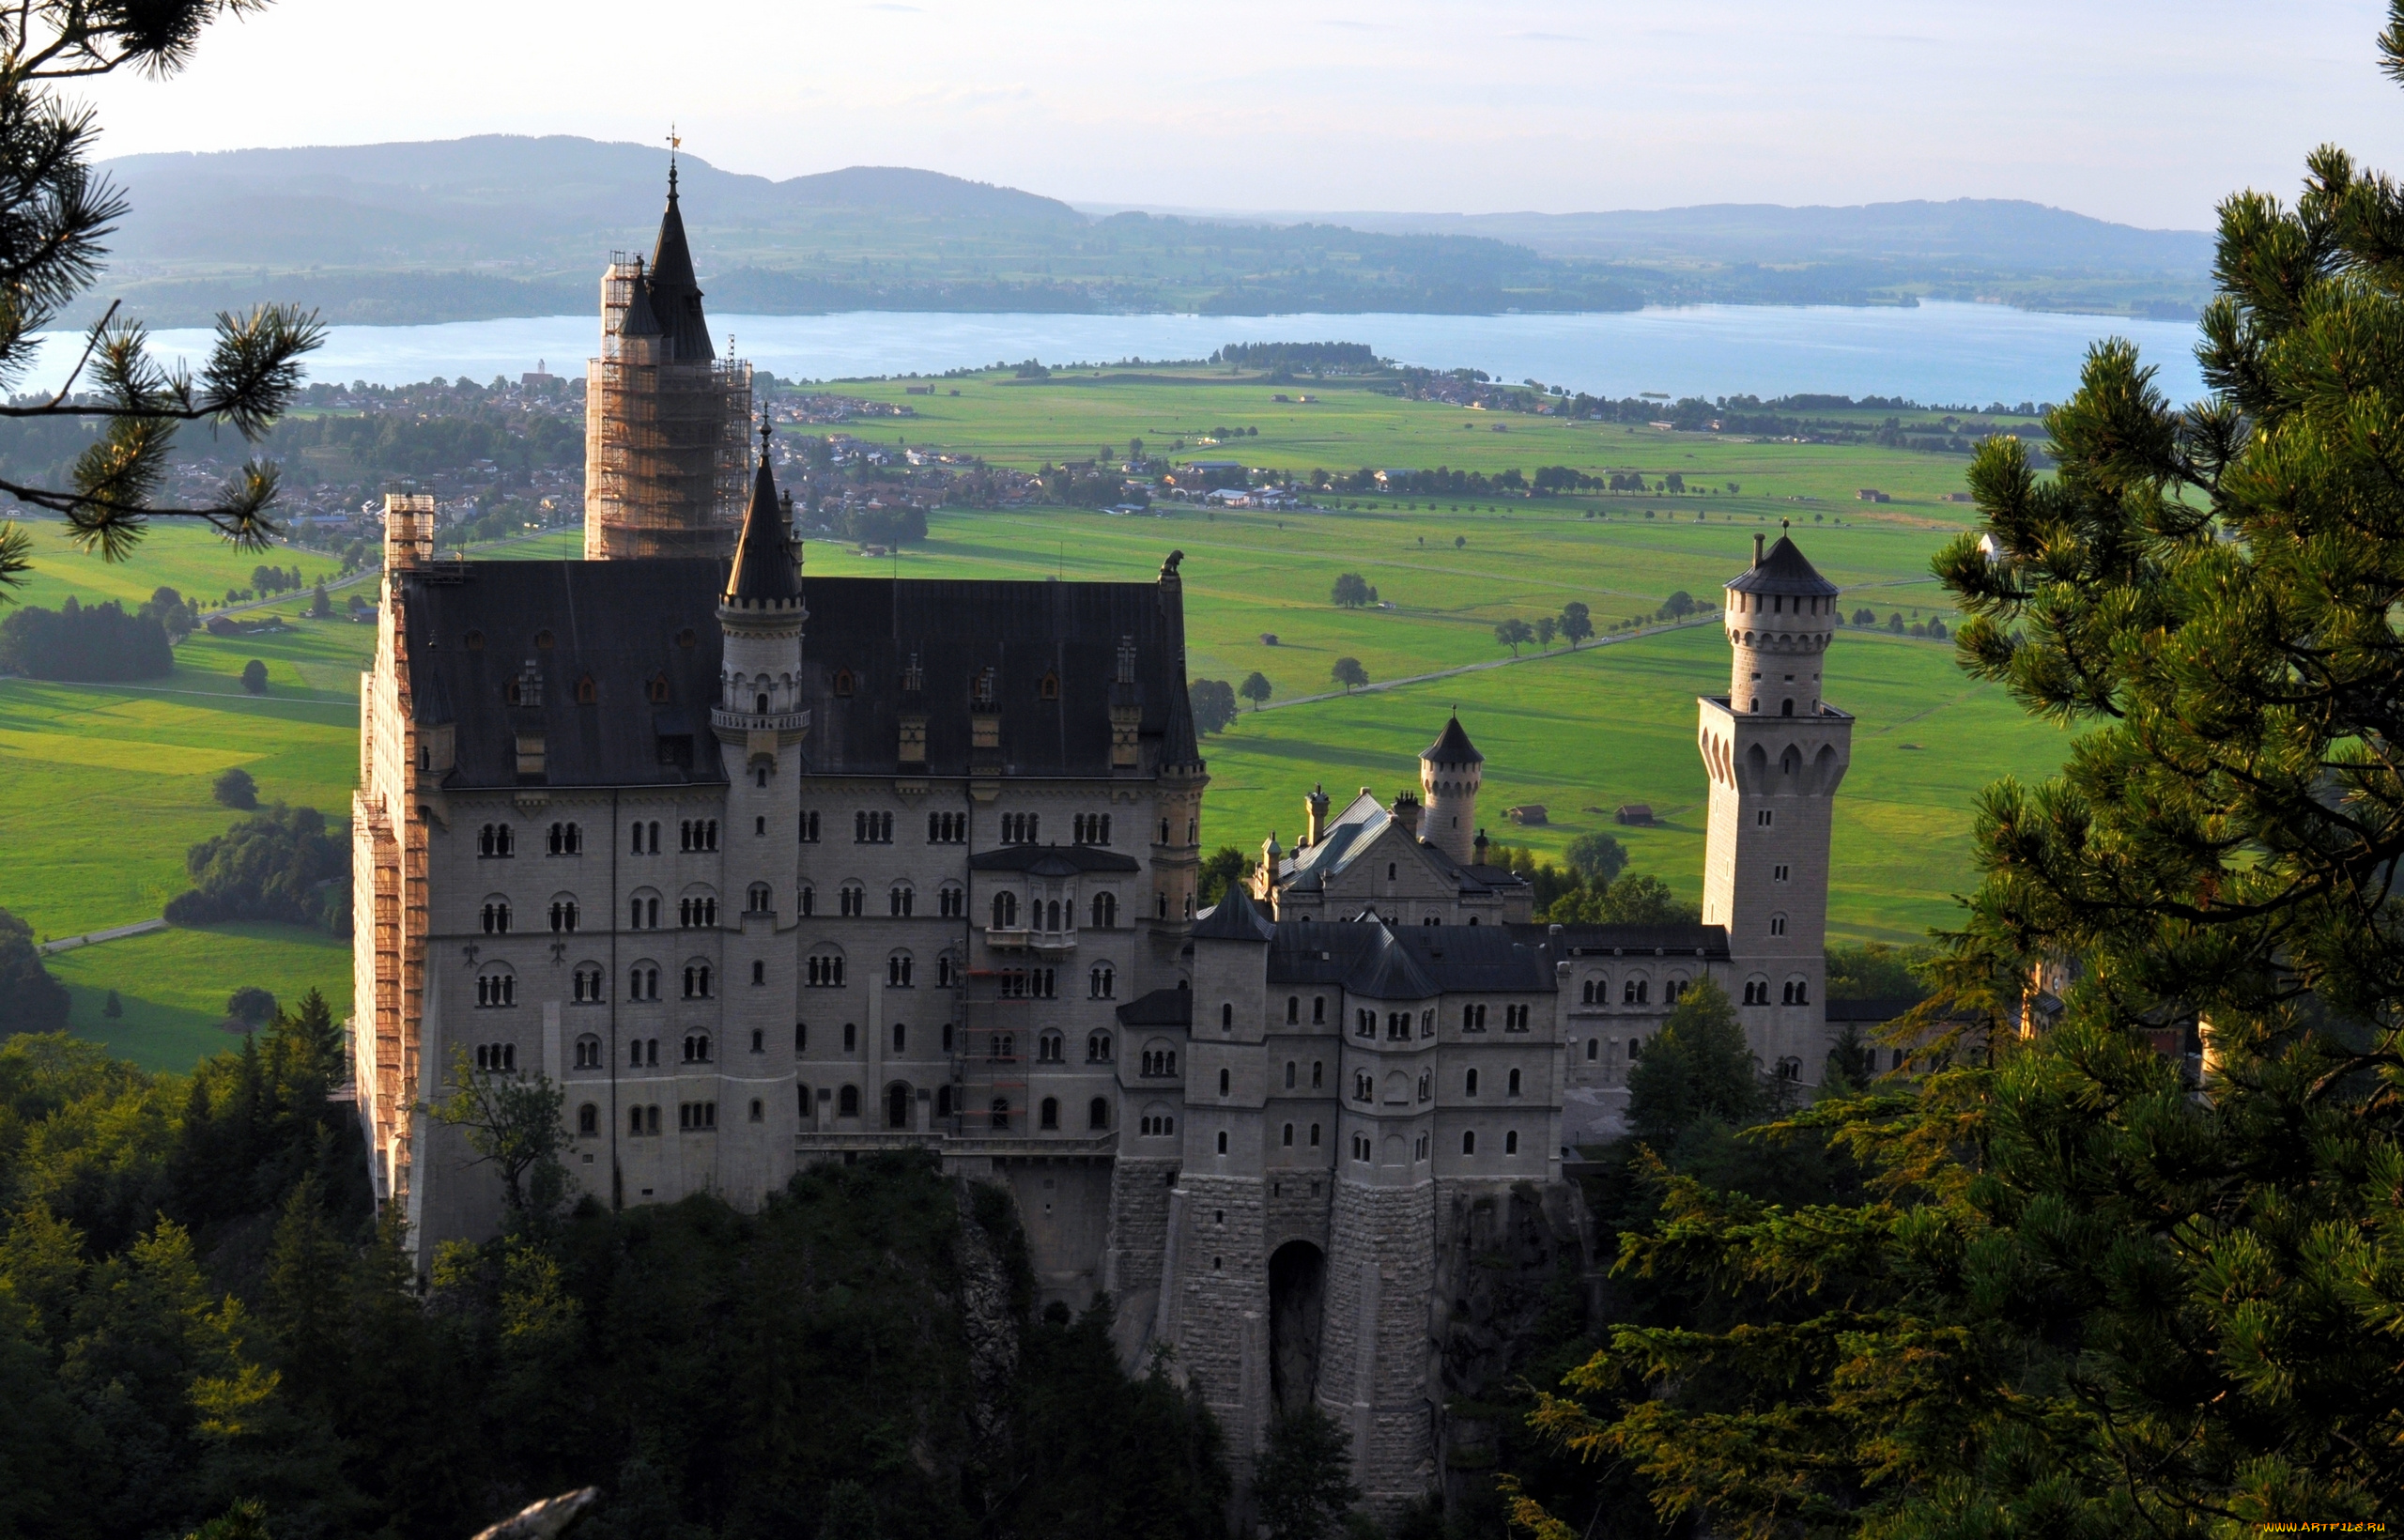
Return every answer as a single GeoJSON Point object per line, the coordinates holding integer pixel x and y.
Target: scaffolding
{"type": "Point", "coordinates": [666, 441]}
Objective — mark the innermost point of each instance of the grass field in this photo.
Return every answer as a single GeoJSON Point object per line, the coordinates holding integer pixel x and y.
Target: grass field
{"type": "Point", "coordinates": [106, 786]}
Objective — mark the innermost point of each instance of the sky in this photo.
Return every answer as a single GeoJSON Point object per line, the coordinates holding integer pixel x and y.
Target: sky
{"type": "Point", "coordinates": [2145, 112]}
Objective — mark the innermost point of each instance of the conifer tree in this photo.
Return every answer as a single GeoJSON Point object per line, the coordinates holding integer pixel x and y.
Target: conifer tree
{"type": "Point", "coordinates": [55, 216]}
{"type": "Point", "coordinates": [2097, 1290]}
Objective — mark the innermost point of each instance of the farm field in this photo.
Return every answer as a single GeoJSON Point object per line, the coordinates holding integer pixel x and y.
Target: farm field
{"type": "Point", "coordinates": [108, 785]}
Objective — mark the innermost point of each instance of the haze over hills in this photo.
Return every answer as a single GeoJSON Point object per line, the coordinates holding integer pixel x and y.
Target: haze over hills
{"type": "Point", "coordinates": [507, 225]}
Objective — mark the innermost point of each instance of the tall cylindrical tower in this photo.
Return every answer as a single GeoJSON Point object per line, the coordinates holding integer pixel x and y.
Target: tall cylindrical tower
{"type": "Point", "coordinates": [1780, 615]}
{"type": "Point", "coordinates": [1449, 771]}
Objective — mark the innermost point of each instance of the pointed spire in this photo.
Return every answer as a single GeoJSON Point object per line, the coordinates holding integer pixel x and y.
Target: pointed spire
{"type": "Point", "coordinates": [764, 571]}
{"type": "Point", "coordinates": [1452, 747]}
{"type": "Point", "coordinates": [639, 320]}
{"type": "Point", "coordinates": [675, 294]}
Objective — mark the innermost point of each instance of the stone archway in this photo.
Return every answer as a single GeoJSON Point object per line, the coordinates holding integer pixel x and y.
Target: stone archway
{"type": "Point", "coordinates": [1297, 1300]}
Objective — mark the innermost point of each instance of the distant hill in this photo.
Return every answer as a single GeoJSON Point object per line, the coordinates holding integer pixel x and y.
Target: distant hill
{"type": "Point", "coordinates": [500, 225]}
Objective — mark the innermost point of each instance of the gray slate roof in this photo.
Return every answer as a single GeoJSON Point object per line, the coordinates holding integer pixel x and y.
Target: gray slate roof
{"type": "Point", "coordinates": [1784, 571]}
{"type": "Point", "coordinates": [619, 624]}
{"type": "Point", "coordinates": [675, 294]}
{"type": "Point", "coordinates": [1381, 962]}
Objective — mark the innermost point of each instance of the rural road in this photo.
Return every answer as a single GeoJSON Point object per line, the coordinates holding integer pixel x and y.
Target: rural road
{"type": "Point", "coordinates": [1711, 618]}
{"type": "Point", "coordinates": [140, 927]}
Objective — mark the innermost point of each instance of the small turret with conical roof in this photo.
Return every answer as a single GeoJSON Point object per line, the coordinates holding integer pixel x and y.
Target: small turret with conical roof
{"type": "Point", "coordinates": [1450, 770]}
{"type": "Point", "coordinates": [761, 613]}
{"type": "Point", "coordinates": [1781, 615]}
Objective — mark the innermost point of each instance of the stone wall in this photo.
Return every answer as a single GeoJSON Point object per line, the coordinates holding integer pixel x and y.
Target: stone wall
{"type": "Point", "coordinates": [1221, 1311]}
{"type": "Point", "coordinates": [1374, 1346]}
{"type": "Point", "coordinates": [1134, 1247]}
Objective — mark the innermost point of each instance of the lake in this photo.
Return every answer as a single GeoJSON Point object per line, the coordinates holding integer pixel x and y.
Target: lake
{"type": "Point", "coordinates": [1941, 354]}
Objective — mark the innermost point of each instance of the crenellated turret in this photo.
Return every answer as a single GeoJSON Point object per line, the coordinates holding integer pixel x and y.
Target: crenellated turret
{"type": "Point", "coordinates": [1781, 615]}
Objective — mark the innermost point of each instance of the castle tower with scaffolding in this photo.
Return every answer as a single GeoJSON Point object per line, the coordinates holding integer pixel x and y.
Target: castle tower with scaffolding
{"type": "Point", "coordinates": [666, 420]}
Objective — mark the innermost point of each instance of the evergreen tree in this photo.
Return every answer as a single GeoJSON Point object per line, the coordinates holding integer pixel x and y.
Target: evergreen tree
{"type": "Point", "coordinates": [56, 214]}
{"type": "Point", "coordinates": [2093, 1292]}
{"type": "Point", "coordinates": [1698, 1065]}
{"type": "Point", "coordinates": [30, 999]}
{"type": "Point", "coordinates": [1301, 1484]}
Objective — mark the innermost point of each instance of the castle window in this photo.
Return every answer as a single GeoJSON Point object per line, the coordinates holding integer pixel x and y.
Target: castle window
{"type": "Point", "coordinates": [1513, 1088]}
{"type": "Point", "coordinates": [824, 970]}
{"type": "Point", "coordinates": [897, 971]}
{"type": "Point", "coordinates": [1510, 1141]}
{"type": "Point", "coordinates": [1798, 993]}
{"type": "Point", "coordinates": [697, 1048]}
{"type": "Point", "coordinates": [497, 1058]}
{"type": "Point", "coordinates": [496, 988]}
{"type": "Point", "coordinates": [1674, 991]}
{"type": "Point", "coordinates": [657, 691]}
{"type": "Point", "coordinates": [697, 1117]}
{"type": "Point", "coordinates": [1427, 1083]}
{"type": "Point", "coordinates": [687, 637]}
{"type": "Point", "coordinates": [1469, 1083]}
{"type": "Point", "coordinates": [1223, 1149]}
{"type": "Point", "coordinates": [1226, 1017]}
{"type": "Point", "coordinates": [806, 900]}
{"type": "Point", "coordinates": [1756, 992]}
{"type": "Point", "coordinates": [1098, 1048]}
{"type": "Point", "coordinates": [1105, 911]}
{"type": "Point", "coordinates": [847, 1102]}
{"type": "Point", "coordinates": [946, 828]}
{"type": "Point", "coordinates": [1049, 1113]}
{"type": "Point", "coordinates": [1293, 1009]}
{"type": "Point", "coordinates": [1156, 1125]}
{"type": "Point", "coordinates": [1778, 873]}
{"type": "Point", "coordinates": [588, 1120]}
{"type": "Point", "coordinates": [1022, 828]}
{"type": "Point", "coordinates": [1289, 1075]}
{"type": "Point", "coordinates": [563, 913]}
{"type": "Point", "coordinates": [1092, 828]}
{"type": "Point", "coordinates": [872, 829]}
{"type": "Point", "coordinates": [1427, 1022]}
{"type": "Point", "coordinates": [586, 983]}
{"type": "Point", "coordinates": [1592, 1044]}
{"type": "Point", "coordinates": [851, 1037]}
{"type": "Point", "coordinates": [1098, 1113]}
{"type": "Point", "coordinates": [852, 900]}
{"type": "Point", "coordinates": [1636, 991]}
{"type": "Point", "coordinates": [1314, 1135]}
{"type": "Point", "coordinates": [475, 640]}
{"type": "Point", "coordinates": [1222, 1082]}
{"type": "Point", "coordinates": [1285, 1137]}
{"type": "Point", "coordinates": [1361, 1148]}
{"type": "Point", "coordinates": [951, 902]}
{"type": "Point", "coordinates": [758, 899]}
{"type": "Point", "coordinates": [1319, 1074]}
{"type": "Point", "coordinates": [697, 980]}
{"type": "Point", "coordinates": [810, 828]}
{"type": "Point", "coordinates": [642, 983]}
{"type": "Point", "coordinates": [587, 692]}
{"type": "Point", "coordinates": [1514, 1018]}
{"type": "Point", "coordinates": [643, 913]}
{"type": "Point", "coordinates": [759, 1110]}
{"type": "Point", "coordinates": [1594, 992]}
{"type": "Point", "coordinates": [1365, 1024]}
{"type": "Point", "coordinates": [760, 708]}
{"type": "Point", "coordinates": [900, 901]}
{"type": "Point", "coordinates": [1762, 819]}
{"type": "Point", "coordinates": [1472, 1018]}
{"type": "Point", "coordinates": [842, 683]}
{"type": "Point", "coordinates": [496, 841]}
{"type": "Point", "coordinates": [1778, 925]}
{"type": "Point", "coordinates": [588, 1052]}
{"type": "Point", "coordinates": [901, 1037]}
{"type": "Point", "coordinates": [567, 839]}
{"type": "Point", "coordinates": [1363, 1089]}
{"type": "Point", "coordinates": [758, 1040]}
{"type": "Point", "coordinates": [1468, 1141]}
{"type": "Point", "coordinates": [1050, 687]}
{"type": "Point", "coordinates": [759, 972]}
{"type": "Point", "coordinates": [1318, 1009]}
{"type": "Point", "coordinates": [496, 917]}
{"type": "Point", "coordinates": [1005, 911]}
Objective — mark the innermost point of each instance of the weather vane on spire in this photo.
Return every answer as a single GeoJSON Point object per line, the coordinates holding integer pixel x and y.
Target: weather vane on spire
{"type": "Point", "coordinates": [675, 143]}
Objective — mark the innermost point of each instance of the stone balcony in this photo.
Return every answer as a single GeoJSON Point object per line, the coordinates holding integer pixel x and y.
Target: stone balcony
{"type": "Point", "coordinates": [1011, 938]}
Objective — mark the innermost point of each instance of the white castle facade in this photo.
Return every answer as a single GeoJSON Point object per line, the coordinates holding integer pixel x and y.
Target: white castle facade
{"type": "Point", "coordinates": [763, 873]}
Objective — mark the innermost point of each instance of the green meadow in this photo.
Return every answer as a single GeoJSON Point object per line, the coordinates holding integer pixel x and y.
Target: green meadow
{"type": "Point", "coordinates": [107, 786]}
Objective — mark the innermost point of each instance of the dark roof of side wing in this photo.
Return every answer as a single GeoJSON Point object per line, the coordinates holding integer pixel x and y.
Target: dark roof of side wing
{"type": "Point", "coordinates": [616, 622]}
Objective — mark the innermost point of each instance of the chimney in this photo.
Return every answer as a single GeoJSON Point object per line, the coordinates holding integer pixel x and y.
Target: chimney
{"type": "Point", "coordinates": [1757, 549]}
{"type": "Point", "coordinates": [1406, 813]}
{"type": "Point", "coordinates": [1314, 808]}
{"type": "Point", "coordinates": [1480, 848]}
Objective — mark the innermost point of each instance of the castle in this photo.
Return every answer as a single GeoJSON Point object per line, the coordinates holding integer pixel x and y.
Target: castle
{"type": "Point", "coordinates": [763, 872]}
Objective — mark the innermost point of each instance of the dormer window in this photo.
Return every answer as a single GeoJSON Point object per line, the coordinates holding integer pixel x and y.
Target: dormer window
{"type": "Point", "coordinates": [657, 690]}
{"type": "Point", "coordinates": [686, 638]}
{"type": "Point", "coordinates": [587, 692]}
{"type": "Point", "coordinates": [545, 640]}
{"type": "Point", "coordinates": [475, 640]}
{"type": "Point", "coordinates": [1050, 688]}
{"type": "Point", "coordinates": [844, 684]}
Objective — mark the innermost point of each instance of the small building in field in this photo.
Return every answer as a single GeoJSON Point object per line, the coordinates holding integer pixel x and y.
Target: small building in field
{"type": "Point", "coordinates": [1527, 813]}
{"type": "Point", "coordinates": [1636, 813]}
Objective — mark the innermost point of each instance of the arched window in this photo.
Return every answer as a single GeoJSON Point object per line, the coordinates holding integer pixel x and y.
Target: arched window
{"type": "Point", "coordinates": [586, 983]}
{"type": "Point", "coordinates": [697, 980]}
{"type": "Point", "coordinates": [897, 1105]}
{"type": "Point", "coordinates": [588, 1052]}
{"type": "Point", "coordinates": [900, 901]}
{"type": "Point", "coordinates": [1469, 1083]}
{"type": "Point", "coordinates": [824, 970]}
{"type": "Point", "coordinates": [1048, 1112]}
{"type": "Point", "coordinates": [897, 971]}
{"type": "Point", "coordinates": [563, 913]}
{"type": "Point", "coordinates": [1105, 911]}
{"type": "Point", "coordinates": [1427, 1083]}
{"type": "Point", "coordinates": [588, 1120]}
{"type": "Point", "coordinates": [847, 1101]}
{"type": "Point", "coordinates": [497, 1058]}
{"type": "Point", "coordinates": [760, 898]}
{"type": "Point", "coordinates": [697, 1048]}
{"type": "Point", "coordinates": [1636, 991]}
{"type": "Point", "coordinates": [1513, 1088]}
{"type": "Point", "coordinates": [1102, 981]}
{"type": "Point", "coordinates": [951, 902]}
{"type": "Point", "coordinates": [496, 987]}
{"type": "Point", "coordinates": [1756, 992]}
{"type": "Point", "coordinates": [1226, 1016]}
{"type": "Point", "coordinates": [1097, 1048]}
{"type": "Point", "coordinates": [1510, 1141]}
{"type": "Point", "coordinates": [1005, 911]}
{"type": "Point", "coordinates": [1223, 1083]}
{"type": "Point", "coordinates": [495, 916]}
{"type": "Point", "coordinates": [642, 981]}
{"type": "Point", "coordinates": [1468, 1141]}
